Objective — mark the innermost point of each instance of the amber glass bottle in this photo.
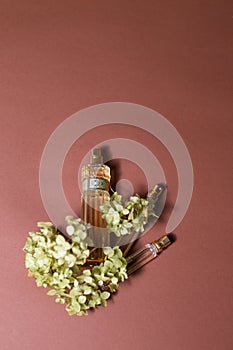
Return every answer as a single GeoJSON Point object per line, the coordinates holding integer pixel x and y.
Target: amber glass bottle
{"type": "Point", "coordinates": [95, 191]}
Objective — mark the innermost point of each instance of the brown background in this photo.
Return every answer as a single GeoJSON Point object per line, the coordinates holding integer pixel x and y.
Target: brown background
{"type": "Point", "coordinates": [58, 57]}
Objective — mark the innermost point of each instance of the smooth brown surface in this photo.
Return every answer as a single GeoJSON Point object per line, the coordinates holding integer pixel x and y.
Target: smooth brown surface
{"type": "Point", "coordinates": [57, 57]}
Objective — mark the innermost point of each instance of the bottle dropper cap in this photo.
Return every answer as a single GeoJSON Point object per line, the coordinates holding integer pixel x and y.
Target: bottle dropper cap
{"type": "Point", "coordinates": [96, 156]}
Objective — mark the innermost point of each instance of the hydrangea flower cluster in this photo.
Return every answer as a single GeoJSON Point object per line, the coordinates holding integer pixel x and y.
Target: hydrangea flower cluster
{"type": "Point", "coordinates": [124, 218]}
{"type": "Point", "coordinates": [59, 263]}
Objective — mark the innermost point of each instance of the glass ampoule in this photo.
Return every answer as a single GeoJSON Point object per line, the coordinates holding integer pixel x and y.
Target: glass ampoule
{"type": "Point", "coordinates": [141, 257]}
{"type": "Point", "coordinates": [153, 199]}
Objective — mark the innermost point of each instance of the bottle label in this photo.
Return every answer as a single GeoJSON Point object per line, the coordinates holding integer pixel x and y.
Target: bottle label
{"type": "Point", "coordinates": [95, 183]}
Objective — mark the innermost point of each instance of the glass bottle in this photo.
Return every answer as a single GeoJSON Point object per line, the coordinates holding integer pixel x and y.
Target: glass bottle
{"type": "Point", "coordinates": [95, 191]}
{"type": "Point", "coordinates": [141, 257]}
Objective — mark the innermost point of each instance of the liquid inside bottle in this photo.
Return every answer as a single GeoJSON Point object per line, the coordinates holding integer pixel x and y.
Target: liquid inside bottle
{"type": "Point", "coordinates": [95, 183]}
{"type": "Point", "coordinates": [141, 257]}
